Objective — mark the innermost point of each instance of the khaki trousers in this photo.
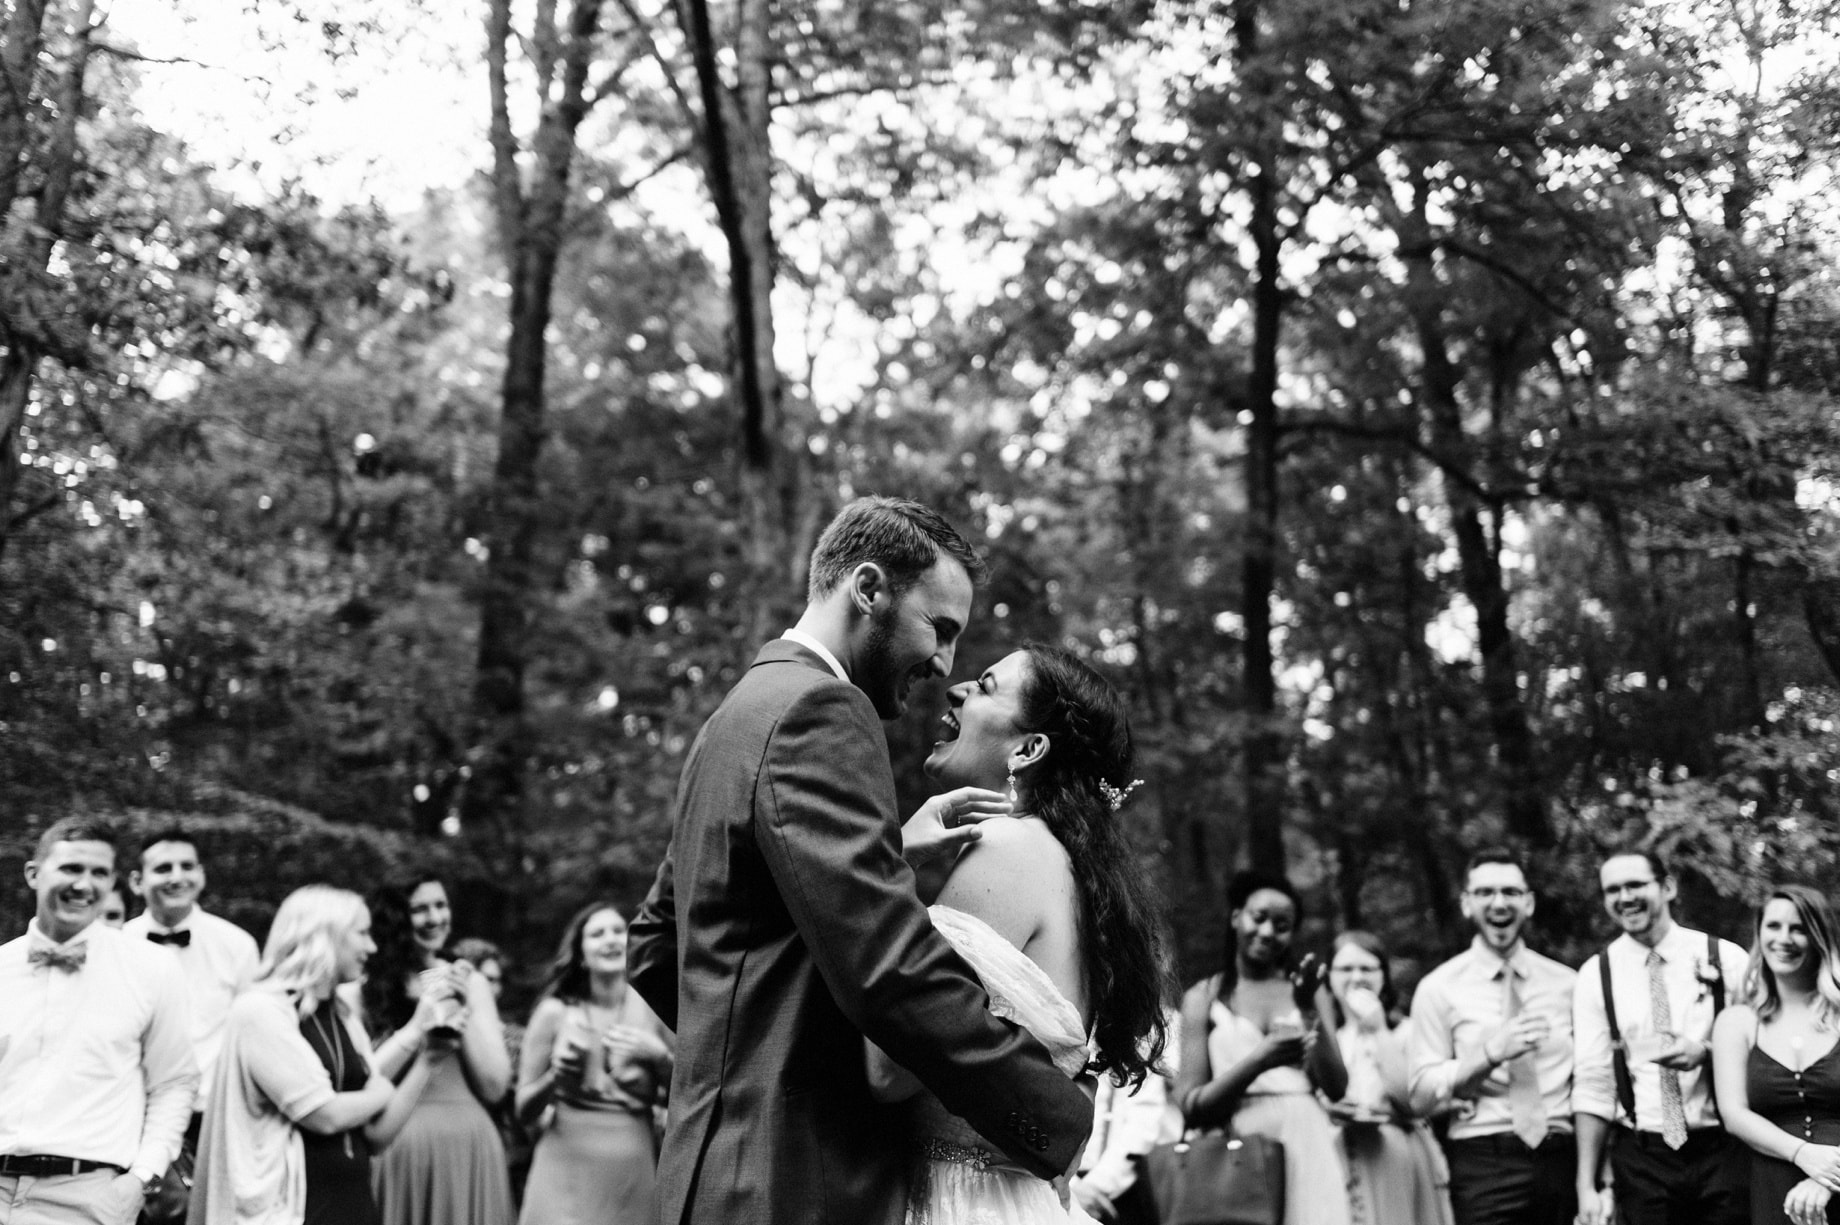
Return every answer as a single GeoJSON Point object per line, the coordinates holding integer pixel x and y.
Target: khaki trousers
{"type": "Point", "coordinates": [99, 1198]}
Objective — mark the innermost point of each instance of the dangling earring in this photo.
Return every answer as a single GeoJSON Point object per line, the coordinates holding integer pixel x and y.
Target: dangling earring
{"type": "Point", "coordinates": [1012, 786]}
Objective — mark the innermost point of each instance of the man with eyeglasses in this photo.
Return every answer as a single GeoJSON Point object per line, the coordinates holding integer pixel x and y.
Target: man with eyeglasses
{"type": "Point", "coordinates": [1644, 1086]}
{"type": "Point", "coordinates": [1491, 1042]}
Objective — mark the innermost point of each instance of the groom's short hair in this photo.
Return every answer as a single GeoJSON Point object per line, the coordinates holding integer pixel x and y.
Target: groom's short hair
{"type": "Point", "coordinates": [903, 537]}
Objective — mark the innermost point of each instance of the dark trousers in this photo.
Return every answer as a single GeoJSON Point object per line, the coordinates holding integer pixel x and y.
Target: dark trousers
{"type": "Point", "coordinates": [1707, 1181]}
{"type": "Point", "coordinates": [1498, 1180]}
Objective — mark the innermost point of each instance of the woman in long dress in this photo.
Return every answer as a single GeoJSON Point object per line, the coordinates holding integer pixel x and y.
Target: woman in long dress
{"type": "Point", "coordinates": [596, 1062]}
{"type": "Point", "coordinates": [448, 1167]}
{"type": "Point", "coordinates": [1047, 905]}
{"type": "Point", "coordinates": [1255, 1053]}
{"type": "Point", "coordinates": [1396, 1171]}
{"type": "Point", "coordinates": [1776, 1065]}
{"type": "Point", "coordinates": [295, 1109]}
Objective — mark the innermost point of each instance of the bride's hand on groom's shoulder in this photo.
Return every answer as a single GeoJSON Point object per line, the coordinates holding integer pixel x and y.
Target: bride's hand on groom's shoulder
{"type": "Point", "coordinates": [948, 823]}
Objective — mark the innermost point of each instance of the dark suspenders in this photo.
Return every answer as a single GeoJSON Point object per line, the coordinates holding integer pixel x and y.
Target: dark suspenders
{"type": "Point", "coordinates": [1619, 1051]}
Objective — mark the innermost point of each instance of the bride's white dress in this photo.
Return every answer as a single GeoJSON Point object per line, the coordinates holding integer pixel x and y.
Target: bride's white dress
{"type": "Point", "coordinates": [958, 1178]}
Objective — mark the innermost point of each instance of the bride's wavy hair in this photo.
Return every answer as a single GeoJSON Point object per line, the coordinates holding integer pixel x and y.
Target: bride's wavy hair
{"type": "Point", "coordinates": [1121, 934]}
{"type": "Point", "coordinates": [1817, 918]}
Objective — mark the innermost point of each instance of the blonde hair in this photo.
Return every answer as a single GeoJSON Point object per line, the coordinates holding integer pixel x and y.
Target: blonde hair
{"type": "Point", "coordinates": [302, 950]}
{"type": "Point", "coordinates": [1759, 987]}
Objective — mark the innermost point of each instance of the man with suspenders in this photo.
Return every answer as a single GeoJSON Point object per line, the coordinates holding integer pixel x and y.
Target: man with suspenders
{"type": "Point", "coordinates": [1642, 1020]}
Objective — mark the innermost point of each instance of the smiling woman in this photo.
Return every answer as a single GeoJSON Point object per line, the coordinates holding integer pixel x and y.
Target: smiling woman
{"type": "Point", "coordinates": [1773, 1059]}
{"type": "Point", "coordinates": [448, 1166]}
{"type": "Point", "coordinates": [594, 1065]}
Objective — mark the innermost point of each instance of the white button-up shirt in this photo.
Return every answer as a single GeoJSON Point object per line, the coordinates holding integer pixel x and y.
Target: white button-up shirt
{"type": "Point", "coordinates": [1455, 1009]}
{"type": "Point", "coordinates": [1684, 973]}
{"type": "Point", "coordinates": [817, 648]}
{"type": "Point", "coordinates": [95, 1063]}
{"type": "Point", "coordinates": [218, 963]}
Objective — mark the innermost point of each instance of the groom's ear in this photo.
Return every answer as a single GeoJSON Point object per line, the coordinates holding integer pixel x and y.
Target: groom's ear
{"type": "Point", "coordinates": [867, 581]}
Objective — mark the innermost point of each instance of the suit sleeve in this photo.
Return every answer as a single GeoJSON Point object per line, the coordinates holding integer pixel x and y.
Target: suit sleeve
{"type": "Point", "coordinates": [651, 946]}
{"type": "Point", "coordinates": [830, 839]}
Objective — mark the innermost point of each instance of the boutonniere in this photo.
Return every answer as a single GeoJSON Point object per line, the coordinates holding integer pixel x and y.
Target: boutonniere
{"type": "Point", "coordinates": [1707, 974]}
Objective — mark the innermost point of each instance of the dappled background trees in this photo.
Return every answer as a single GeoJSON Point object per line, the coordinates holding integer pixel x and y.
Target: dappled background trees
{"type": "Point", "coordinates": [1425, 411]}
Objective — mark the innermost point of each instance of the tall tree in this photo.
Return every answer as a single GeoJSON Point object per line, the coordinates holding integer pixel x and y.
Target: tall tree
{"type": "Point", "coordinates": [42, 99]}
{"type": "Point", "coordinates": [530, 180]}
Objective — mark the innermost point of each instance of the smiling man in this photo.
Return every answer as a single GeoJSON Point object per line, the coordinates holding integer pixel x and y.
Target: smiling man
{"type": "Point", "coordinates": [217, 957]}
{"type": "Point", "coordinates": [1491, 1041]}
{"type": "Point", "coordinates": [1649, 1095]}
{"type": "Point", "coordinates": [97, 1074]}
{"type": "Point", "coordinates": [783, 927]}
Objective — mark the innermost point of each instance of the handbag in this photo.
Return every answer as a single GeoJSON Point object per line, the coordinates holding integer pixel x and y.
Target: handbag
{"type": "Point", "coordinates": [1215, 1178]}
{"type": "Point", "coordinates": [170, 1197]}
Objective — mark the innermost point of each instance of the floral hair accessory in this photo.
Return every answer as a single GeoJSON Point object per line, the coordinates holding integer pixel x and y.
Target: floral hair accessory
{"type": "Point", "coordinates": [1116, 796]}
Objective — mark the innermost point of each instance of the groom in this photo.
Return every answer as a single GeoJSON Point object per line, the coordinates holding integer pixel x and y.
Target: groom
{"type": "Point", "coordinates": [783, 927]}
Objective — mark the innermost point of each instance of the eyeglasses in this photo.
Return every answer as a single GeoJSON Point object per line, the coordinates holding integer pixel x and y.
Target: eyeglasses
{"type": "Point", "coordinates": [1511, 893]}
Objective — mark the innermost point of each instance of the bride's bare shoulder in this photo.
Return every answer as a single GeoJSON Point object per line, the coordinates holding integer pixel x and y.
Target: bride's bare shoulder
{"type": "Point", "coordinates": [1014, 877]}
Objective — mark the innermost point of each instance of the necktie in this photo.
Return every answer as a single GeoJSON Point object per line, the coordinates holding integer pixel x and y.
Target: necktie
{"type": "Point", "coordinates": [69, 960]}
{"type": "Point", "coordinates": [1525, 1105]}
{"type": "Point", "coordinates": [1673, 1112]}
{"type": "Point", "coordinates": [178, 939]}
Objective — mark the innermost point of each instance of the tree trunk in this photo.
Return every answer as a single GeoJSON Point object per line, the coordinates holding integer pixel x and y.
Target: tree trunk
{"type": "Point", "coordinates": [20, 44]}
{"type": "Point", "coordinates": [531, 226]}
{"type": "Point", "coordinates": [1263, 758]}
{"type": "Point", "coordinates": [738, 158]}
{"type": "Point", "coordinates": [20, 361]}
{"type": "Point", "coordinates": [1523, 805]}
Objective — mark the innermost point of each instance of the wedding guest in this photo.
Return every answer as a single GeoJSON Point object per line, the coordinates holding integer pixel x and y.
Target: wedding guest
{"type": "Point", "coordinates": [488, 959]}
{"type": "Point", "coordinates": [1673, 1164]}
{"type": "Point", "coordinates": [295, 1108]}
{"type": "Point", "coordinates": [448, 1166]}
{"type": "Point", "coordinates": [1397, 1174]}
{"type": "Point", "coordinates": [1127, 1122]}
{"type": "Point", "coordinates": [1491, 1040]}
{"type": "Point", "coordinates": [115, 906]}
{"type": "Point", "coordinates": [1255, 1056]}
{"type": "Point", "coordinates": [217, 957]}
{"type": "Point", "coordinates": [595, 1062]}
{"type": "Point", "coordinates": [1775, 1064]}
{"type": "Point", "coordinates": [97, 1072]}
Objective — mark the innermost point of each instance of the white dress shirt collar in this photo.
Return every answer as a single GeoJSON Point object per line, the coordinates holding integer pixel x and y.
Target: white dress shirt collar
{"type": "Point", "coordinates": [818, 648]}
{"type": "Point", "coordinates": [38, 936]}
{"type": "Point", "coordinates": [182, 925]}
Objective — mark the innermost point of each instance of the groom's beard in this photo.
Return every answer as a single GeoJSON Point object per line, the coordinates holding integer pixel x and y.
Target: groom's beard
{"type": "Point", "coordinates": [881, 672]}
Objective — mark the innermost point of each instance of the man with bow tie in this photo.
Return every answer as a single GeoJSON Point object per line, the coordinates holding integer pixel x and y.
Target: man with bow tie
{"type": "Point", "coordinates": [217, 957]}
{"type": "Point", "coordinates": [97, 1072]}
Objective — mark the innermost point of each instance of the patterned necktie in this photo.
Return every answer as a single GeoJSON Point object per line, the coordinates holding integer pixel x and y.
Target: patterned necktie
{"type": "Point", "coordinates": [177, 939]}
{"type": "Point", "coordinates": [1525, 1105]}
{"type": "Point", "coordinates": [69, 960]}
{"type": "Point", "coordinates": [1673, 1111]}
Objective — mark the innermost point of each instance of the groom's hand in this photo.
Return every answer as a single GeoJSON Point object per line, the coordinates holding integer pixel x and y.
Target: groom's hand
{"type": "Point", "coordinates": [948, 823]}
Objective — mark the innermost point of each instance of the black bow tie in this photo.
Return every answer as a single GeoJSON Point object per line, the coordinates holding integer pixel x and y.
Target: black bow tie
{"type": "Point", "coordinates": [179, 939]}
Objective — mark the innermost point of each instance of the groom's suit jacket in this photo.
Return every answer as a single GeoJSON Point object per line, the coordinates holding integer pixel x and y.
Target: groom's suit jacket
{"type": "Point", "coordinates": [782, 929]}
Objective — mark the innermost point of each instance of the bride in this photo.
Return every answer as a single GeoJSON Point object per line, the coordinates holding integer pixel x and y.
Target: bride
{"type": "Point", "coordinates": [1047, 905]}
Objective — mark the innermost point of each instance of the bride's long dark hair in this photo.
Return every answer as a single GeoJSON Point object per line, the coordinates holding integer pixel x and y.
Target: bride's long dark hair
{"type": "Point", "coordinates": [1121, 934]}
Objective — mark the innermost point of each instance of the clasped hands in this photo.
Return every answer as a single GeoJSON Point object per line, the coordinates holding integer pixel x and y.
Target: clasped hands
{"type": "Point", "coordinates": [440, 1007]}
